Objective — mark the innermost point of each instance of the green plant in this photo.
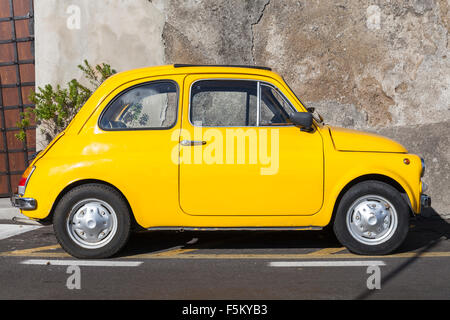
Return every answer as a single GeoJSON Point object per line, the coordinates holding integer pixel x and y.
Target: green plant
{"type": "Point", "coordinates": [96, 75]}
{"type": "Point", "coordinates": [56, 107]}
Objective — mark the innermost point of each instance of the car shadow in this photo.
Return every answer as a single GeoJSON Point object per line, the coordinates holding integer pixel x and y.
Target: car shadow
{"type": "Point", "coordinates": [156, 241]}
{"type": "Point", "coordinates": [427, 229]}
{"type": "Point", "coordinates": [427, 235]}
{"type": "Point", "coordinates": [423, 233]}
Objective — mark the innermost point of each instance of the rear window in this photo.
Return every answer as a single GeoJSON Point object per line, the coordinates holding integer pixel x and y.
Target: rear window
{"type": "Point", "coordinates": [152, 105]}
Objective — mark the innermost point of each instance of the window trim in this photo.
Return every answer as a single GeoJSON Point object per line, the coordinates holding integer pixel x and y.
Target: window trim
{"type": "Point", "coordinates": [177, 87]}
{"type": "Point", "coordinates": [258, 103]}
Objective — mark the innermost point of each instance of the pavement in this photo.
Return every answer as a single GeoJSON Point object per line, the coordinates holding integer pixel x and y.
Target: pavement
{"type": "Point", "coordinates": [251, 265]}
{"type": "Point", "coordinates": [7, 212]}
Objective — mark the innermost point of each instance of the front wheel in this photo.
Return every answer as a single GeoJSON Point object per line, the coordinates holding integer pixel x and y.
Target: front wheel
{"type": "Point", "coordinates": [372, 218]}
{"type": "Point", "coordinates": [92, 221]}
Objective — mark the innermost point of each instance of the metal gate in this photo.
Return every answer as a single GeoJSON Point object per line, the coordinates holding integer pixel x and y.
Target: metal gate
{"type": "Point", "coordinates": [16, 82]}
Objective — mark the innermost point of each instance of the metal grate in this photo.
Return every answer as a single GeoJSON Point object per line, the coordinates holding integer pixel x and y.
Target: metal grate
{"type": "Point", "coordinates": [15, 158]}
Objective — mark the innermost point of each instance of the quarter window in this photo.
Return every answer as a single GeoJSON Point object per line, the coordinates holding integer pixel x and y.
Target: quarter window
{"type": "Point", "coordinates": [275, 110]}
{"type": "Point", "coordinates": [148, 106]}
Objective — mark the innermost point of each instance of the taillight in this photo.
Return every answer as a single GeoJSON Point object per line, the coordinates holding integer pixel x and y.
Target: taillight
{"type": "Point", "coordinates": [24, 180]}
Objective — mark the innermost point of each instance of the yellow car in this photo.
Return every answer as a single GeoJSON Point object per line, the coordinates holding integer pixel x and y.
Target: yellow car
{"type": "Point", "coordinates": [216, 148]}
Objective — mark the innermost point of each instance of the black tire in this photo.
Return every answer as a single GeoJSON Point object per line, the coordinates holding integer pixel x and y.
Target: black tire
{"type": "Point", "coordinates": [107, 195]}
{"type": "Point", "coordinates": [396, 236]}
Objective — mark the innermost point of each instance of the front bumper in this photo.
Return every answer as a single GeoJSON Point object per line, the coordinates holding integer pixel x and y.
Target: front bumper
{"type": "Point", "coordinates": [425, 201]}
{"type": "Point", "coordinates": [23, 203]}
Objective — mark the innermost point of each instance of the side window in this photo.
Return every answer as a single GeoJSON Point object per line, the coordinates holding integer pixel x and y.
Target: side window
{"type": "Point", "coordinates": [275, 110]}
{"type": "Point", "coordinates": [151, 105]}
{"type": "Point", "coordinates": [223, 103]}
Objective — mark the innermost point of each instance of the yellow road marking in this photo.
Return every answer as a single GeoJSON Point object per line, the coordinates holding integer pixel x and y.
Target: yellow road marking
{"type": "Point", "coordinates": [326, 251]}
{"type": "Point", "coordinates": [293, 256]}
{"type": "Point", "coordinates": [180, 253]}
{"type": "Point", "coordinates": [168, 253]}
{"type": "Point", "coordinates": [36, 252]}
{"type": "Point", "coordinates": [174, 252]}
{"type": "Point", "coordinates": [241, 256]}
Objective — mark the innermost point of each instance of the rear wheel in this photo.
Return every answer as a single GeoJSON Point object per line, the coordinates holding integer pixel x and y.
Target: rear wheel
{"type": "Point", "coordinates": [372, 218]}
{"type": "Point", "coordinates": [92, 221]}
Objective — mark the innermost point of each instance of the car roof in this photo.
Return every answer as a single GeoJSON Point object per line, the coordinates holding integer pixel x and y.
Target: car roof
{"type": "Point", "coordinates": [192, 69]}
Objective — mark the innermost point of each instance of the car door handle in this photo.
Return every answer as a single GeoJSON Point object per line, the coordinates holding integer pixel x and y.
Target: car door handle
{"type": "Point", "coordinates": [192, 143]}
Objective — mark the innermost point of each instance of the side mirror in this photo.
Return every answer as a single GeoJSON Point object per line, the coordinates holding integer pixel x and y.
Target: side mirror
{"type": "Point", "coordinates": [312, 110]}
{"type": "Point", "coordinates": [302, 119]}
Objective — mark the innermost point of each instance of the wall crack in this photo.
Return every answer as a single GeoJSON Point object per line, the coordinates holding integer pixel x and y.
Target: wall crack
{"type": "Point", "coordinates": [252, 49]}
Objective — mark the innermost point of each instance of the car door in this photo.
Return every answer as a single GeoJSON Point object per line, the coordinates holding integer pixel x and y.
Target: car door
{"type": "Point", "coordinates": [240, 155]}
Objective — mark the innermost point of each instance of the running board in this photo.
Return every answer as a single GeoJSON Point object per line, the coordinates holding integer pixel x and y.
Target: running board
{"type": "Point", "coordinates": [181, 229]}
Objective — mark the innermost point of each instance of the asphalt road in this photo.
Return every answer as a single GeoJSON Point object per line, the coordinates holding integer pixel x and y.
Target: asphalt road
{"type": "Point", "coordinates": [227, 265]}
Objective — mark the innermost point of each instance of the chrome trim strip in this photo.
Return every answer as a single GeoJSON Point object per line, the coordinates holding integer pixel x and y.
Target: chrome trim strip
{"type": "Point", "coordinates": [258, 103]}
{"type": "Point", "coordinates": [181, 229]}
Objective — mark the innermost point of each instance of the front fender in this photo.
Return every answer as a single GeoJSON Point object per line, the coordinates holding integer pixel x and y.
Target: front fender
{"type": "Point", "coordinates": [350, 166]}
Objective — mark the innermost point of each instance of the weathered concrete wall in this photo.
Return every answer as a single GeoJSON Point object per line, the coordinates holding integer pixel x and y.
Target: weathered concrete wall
{"type": "Point", "coordinates": [125, 33]}
{"type": "Point", "coordinates": [374, 65]}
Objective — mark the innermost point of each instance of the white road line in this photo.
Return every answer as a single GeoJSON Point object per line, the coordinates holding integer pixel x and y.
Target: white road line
{"type": "Point", "coordinates": [326, 263]}
{"type": "Point", "coordinates": [90, 263]}
{"type": "Point", "coordinates": [10, 230]}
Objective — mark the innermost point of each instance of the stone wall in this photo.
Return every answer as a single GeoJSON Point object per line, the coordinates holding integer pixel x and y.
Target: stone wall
{"type": "Point", "coordinates": [381, 66]}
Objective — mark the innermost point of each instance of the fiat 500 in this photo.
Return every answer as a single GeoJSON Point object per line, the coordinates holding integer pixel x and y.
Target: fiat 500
{"type": "Point", "coordinates": [185, 147]}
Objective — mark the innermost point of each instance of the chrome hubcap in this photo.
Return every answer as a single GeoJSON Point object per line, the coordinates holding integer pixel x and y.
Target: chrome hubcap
{"type": "Point", "coordinates": [372, 220]}
{"type": "Point", "coordinates": [92, 223]}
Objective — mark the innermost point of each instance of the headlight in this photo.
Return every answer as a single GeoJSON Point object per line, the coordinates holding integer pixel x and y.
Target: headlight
{"type": "Point", "coordinates": [423, 166]}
